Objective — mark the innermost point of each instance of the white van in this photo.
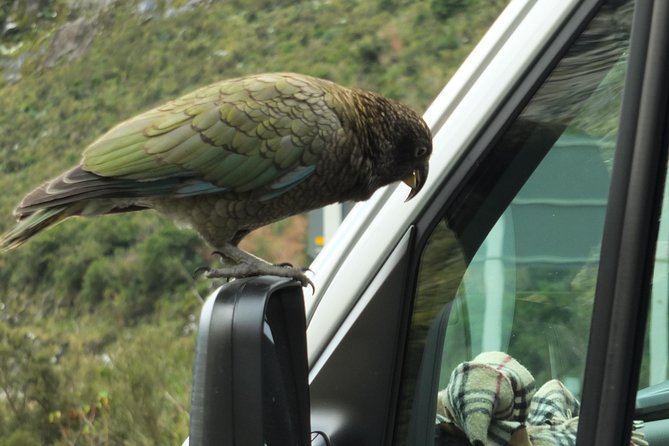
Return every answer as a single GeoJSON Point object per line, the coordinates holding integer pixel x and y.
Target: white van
{"type": "Point", "coordinates": [541, 233]}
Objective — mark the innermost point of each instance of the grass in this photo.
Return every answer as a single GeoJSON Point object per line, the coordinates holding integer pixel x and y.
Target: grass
{"type": "Point", "coordinates": [111, 299]}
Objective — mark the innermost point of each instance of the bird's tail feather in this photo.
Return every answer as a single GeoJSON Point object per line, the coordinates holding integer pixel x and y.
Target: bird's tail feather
{"type": "Point", "coordinates": [31, 225]}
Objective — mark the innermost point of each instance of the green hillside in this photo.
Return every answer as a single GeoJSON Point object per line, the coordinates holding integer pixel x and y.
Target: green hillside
{"type": "Point", "coordinates": [98, 316]}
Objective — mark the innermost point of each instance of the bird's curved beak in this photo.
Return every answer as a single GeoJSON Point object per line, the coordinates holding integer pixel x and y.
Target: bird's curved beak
{"type": "Point", "coordinates": [416, 180]}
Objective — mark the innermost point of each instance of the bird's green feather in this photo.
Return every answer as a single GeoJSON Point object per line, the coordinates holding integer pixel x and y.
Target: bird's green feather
{"type": "Point", "coordinates": [216, 171]}
{"type": "Point", "coordinates": [162, 144]}
{"type": "Point", "coordinates": [239, 134]}
{"type": "Point", "coordinates": [199, 160]}
{"type": "Point", "coordinates": [188, 150]}
{"type": "Point", "coordinates": [206, 116]}
{"type": "Point", "coordinates": [265, 177]}
{"type": "Point", "coordinates": [219, 134]}
{"type": "Point", "coordinates": [126, 156]}
{"type": "Point", "coordinates": [247, 170]}
{"type": "Point", "coordinates": [167, 123]}
{"type": "Point", "coordinates": [285, 154]}
{"type": "Point", "coordinates": [130, 149]}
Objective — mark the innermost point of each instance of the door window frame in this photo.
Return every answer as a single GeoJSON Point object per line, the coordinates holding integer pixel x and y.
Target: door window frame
{"type": "Point", "coordinates": [620, 307]}
{"type": "Point", "coordinates": [630, 234]}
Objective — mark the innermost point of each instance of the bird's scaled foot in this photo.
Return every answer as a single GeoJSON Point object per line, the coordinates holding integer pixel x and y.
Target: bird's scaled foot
{"type": "Point", "coordinates": [290, 265]}
{"type": "Point", "coordinates": [238, 263]}
{"type": "Point", "coordinates": [261, 269]}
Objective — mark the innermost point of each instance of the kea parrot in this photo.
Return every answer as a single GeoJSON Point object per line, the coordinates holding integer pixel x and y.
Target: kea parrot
{"type": "Point", "coordinates": [236, 155]}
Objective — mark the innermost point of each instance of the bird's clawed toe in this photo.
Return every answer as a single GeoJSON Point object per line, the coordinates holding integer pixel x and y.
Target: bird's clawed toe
{"type": "Point", "coordinates": [223, 257]}
{"type": "Point", "coordinates": [237, 264]}
{"type": "Point", "coordinates": [249, 270]}
{"type": "Point", "coordinates": [200, 271]}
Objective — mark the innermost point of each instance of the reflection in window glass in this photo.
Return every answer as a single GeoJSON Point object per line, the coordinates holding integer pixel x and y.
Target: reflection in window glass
{"type": "Point", "coordinates": [513, 266]}
{"type": "Point", "coordinates": [655, 362]}
{"type": "Point", "coordinates": [528, 289]}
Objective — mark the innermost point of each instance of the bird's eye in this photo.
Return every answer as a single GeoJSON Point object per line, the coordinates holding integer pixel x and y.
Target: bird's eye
{"type": "Point", "coordinates": [420, 151]}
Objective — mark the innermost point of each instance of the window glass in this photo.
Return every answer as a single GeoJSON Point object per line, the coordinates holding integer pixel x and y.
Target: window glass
{"type": "Point", "coordinates": [655, 362]}
{"type": "Point", "coordinates": [512, 266]}
{"type": "Point", "coordinates": [652, 399]}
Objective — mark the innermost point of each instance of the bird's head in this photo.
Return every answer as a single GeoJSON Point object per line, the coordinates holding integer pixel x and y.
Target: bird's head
{"type": "Point", "coordinates": [413, 148]}
{"type": "Point", "coordinates": [394, 141]}
{"type": "Point", "coordinates": [405, 146]}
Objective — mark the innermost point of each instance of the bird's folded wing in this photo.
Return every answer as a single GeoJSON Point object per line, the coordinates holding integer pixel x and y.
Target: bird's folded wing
{"type": "Point", "coordinates": [262, 135]}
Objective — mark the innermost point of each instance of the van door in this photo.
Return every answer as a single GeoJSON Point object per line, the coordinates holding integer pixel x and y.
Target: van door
{"type": "Point", "coordinates": [543, 247]}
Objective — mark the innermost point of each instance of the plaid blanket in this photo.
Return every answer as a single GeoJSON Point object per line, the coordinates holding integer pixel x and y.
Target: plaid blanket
{"type": "Point", "coordinates": [492, 400]}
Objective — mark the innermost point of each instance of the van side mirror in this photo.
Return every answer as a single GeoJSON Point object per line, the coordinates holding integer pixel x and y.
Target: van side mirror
{"type": "Point", "coordinates": [250, 379]}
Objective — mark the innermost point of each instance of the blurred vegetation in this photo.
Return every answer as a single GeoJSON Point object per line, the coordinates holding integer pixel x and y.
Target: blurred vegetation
{"type": "Point", "coordinates": [98, 315]}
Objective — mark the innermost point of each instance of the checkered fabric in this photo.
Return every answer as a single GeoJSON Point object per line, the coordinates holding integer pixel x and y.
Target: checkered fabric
{"type": "Point", "coordinates": [492, 400]}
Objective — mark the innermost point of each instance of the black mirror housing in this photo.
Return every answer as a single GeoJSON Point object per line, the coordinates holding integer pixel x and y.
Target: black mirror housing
{"type": "Point", "coordinates": [250, 379]}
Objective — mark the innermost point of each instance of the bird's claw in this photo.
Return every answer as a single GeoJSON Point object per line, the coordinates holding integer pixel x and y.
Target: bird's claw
{"type": "Point", "coordinates": [200, 271]}
{"type": "Point", "coordinates": [305, 281]}
{"type": "Point", "coordinates": [222, 257]}
{"type": "Point", "coordinates": [236, 269]}
{"type": "Point", "coordinates": [238, 272]}
{"type": "Point", "coordinates": [304, 269]}
{"type": "Point", "coordinates": [302, 278]}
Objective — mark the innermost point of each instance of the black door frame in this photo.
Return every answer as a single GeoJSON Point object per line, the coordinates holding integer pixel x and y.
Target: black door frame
{"type": "Point", "coordinates": [630, 233]}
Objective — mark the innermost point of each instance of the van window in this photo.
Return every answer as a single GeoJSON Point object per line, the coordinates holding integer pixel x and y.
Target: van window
{"type": "Point", "coordinates": [511, 267]}
{"type": "Point", "coordinates": [655, 360]}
